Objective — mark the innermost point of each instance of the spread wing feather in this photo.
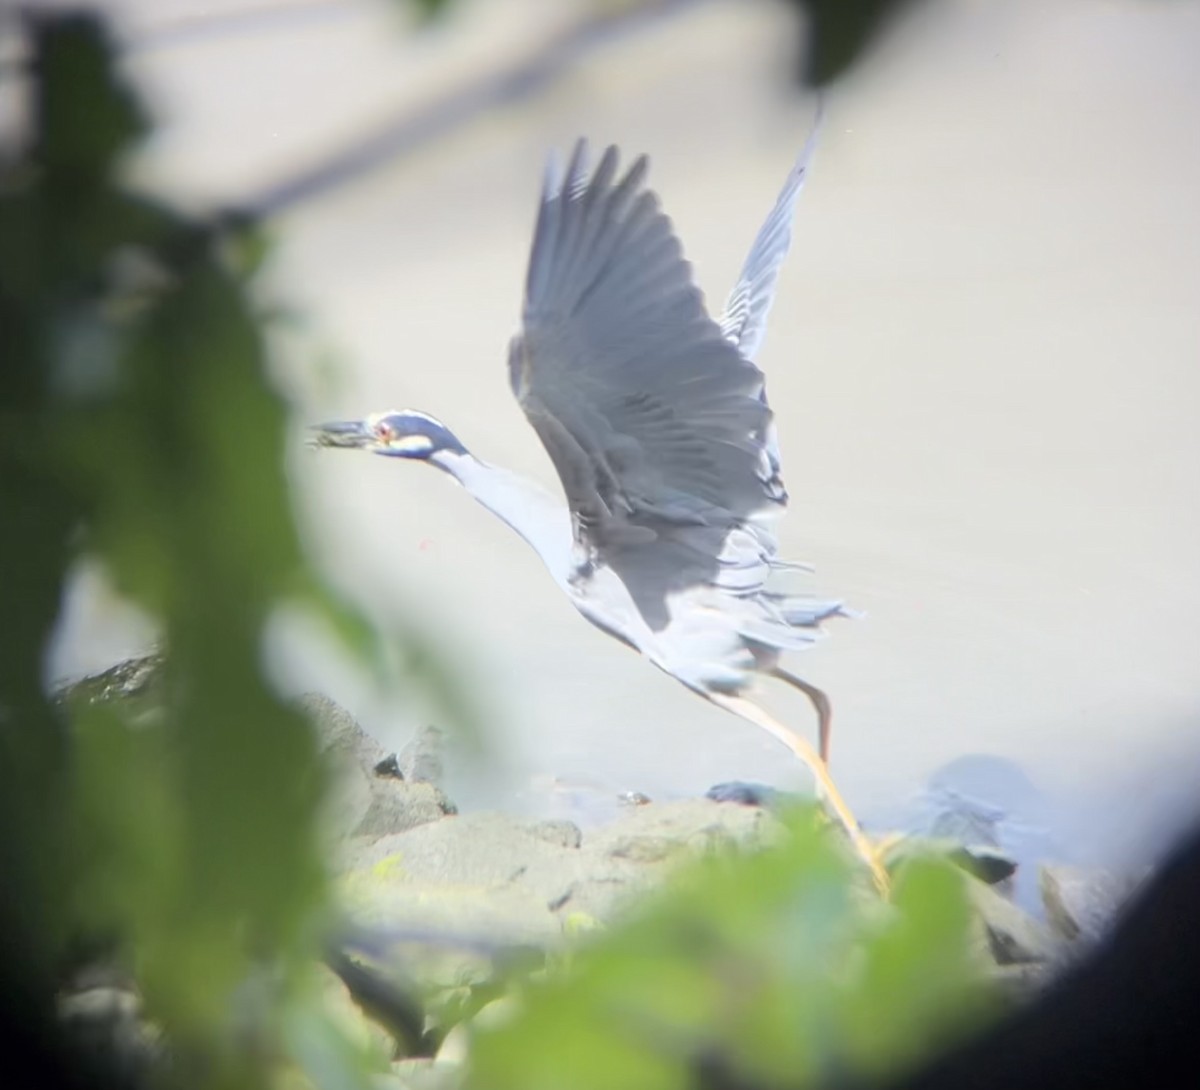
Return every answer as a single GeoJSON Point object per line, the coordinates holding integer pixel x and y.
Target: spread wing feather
{"type": "Point", "coordinates": [744, 321]}
{"type": "Point", "coordinates": [652, 417]}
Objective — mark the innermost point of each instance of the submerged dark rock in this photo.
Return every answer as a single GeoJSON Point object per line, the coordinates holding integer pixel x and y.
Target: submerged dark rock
{"type": "Point", "coordinates": [748, 794]}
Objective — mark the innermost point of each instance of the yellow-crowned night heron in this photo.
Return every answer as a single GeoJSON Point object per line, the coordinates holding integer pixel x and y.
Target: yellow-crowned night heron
{"type": "Point", "coordinates": [656, 419]}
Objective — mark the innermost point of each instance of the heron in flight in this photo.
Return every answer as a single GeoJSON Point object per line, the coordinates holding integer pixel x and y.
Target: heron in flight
{"type": "Point", "coordinates": [656, 419]}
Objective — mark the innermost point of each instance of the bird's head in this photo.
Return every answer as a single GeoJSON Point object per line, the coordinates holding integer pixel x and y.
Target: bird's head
{"type": "Point", "coordinates": [404, 433]}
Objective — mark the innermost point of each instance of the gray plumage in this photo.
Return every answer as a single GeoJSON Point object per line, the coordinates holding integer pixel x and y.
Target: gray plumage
{"type": "Point", "coordinates": [656, 419]}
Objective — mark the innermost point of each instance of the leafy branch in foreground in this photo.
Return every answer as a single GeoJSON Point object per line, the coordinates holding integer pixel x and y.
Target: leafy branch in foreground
{"type": "Point", "coordinates": [775, 969]}
{"type": "Point", "coordinates": [140, 431]}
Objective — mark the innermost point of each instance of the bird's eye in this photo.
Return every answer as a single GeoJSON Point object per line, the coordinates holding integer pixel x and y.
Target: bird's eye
{"type": "Point", "coordinates": [383, 431]}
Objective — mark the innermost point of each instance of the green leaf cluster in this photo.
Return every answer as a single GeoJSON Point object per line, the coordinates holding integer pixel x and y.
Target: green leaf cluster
{"type": "Point", "coordinates": [778, 968]}
{"type": "Point", "coordinates": [138, 429]}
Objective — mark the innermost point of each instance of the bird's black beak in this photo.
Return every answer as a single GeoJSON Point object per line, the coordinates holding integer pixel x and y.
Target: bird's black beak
{"type": "Point", "coordinates": [340, 433]}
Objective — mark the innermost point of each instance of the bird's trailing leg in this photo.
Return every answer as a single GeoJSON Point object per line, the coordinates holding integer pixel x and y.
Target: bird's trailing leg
{"type": "Point", "coordinates": [819, 701]}
{"type": "Point", "coordinates": [750, 711]}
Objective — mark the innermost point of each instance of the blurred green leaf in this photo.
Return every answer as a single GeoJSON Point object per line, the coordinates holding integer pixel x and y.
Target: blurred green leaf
{"type": "Point", "coordinates": [839, 32]}
{"type": "Point", "coordinates": [85, 117]}
{"type": "Point", "coordinates": [919, 985]}
{"type": "Point", "coordinates": [140, 428]}
{"type": "Point", "coordinates": [780, 965]}
{"type": "Point", "coordinates": [125, 815]}
{"type": "Point", "coordinates": [429, 10]}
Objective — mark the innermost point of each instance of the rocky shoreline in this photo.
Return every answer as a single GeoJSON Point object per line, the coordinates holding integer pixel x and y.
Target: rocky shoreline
{"type": "Point", "coordinates": [416, 876]}
{"type": "Point", "coordinates": [436, 904]}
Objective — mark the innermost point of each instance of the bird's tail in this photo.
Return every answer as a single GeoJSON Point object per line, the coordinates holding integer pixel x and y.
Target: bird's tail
{"type": "Point", "coordinates": [788, 622]}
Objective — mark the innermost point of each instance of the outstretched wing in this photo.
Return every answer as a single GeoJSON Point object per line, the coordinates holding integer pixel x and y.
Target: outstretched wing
{"type": "Point", "coordinates": [652, 417]}
{"type": "Point", "coordinates": [744, 322]}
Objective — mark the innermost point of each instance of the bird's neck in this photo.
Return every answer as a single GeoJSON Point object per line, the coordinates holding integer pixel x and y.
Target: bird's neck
{"type": "Point", "coordinates": [541, 519]}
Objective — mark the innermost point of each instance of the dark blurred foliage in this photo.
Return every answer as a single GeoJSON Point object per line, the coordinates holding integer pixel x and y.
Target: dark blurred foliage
{"type": "Point", "coordinates": [836, 33]}
{"type": "Point", "coordinates": [1125, 1017]}
{"type": "Point", "coordinates": [430, 9]}
{"type": "Point", "coordinates": [138, 430]}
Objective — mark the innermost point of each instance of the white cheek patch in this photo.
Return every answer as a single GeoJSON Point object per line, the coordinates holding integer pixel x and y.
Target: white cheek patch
{"type": "Point", "coordinates": [412, 444]}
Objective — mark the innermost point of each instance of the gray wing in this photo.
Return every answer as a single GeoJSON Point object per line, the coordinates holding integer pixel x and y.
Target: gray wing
{"type": "Point", "coordinates": [744, 322]}
{"type": "Point", "coordinates": [653, 419]}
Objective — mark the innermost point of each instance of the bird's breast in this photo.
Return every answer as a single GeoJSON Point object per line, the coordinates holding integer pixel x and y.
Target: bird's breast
{"type": "Point", "coordinates": [699, 646]}
{"type": "Point", "coordinates": [598, 593]}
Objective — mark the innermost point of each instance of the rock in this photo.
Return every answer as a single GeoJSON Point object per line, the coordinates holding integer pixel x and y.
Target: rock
{"type": "Point", "coordinates": [964, 836]}
{"type": "Point", "coordinates": [989, 865]}
{"type": "Point", "coordinates": [503, 881]}
{"type": "Point", "coordinates": [484, 849]}
{"type": "Point", "coordinates": [645, 849]}
{"type": "Point", "coordinates": [425, 1074]}
{"type": "Point", "coordinates": [972, 796]}
{"type": "Point", "coordinates": [700, 824]}
{"type": "Point", "coordinates": [965, 821]}
{"type": "Point", "coordinates": [1080, 904]}
{"type": "Point", "coordinates": [389, 767]}
{"type": "Point", "coordinates": [566, 834]}
{"type": "Point", "coordinates": [748, 794]}
{"type": "Point", "coordinates": [368, 799]}
{"type": "Point", "coordinates": [464, 876]}
{"type": "Point", "coordinates": [385, 996]}
{"type": "Point", "coordinates": [488, 875]}
{"type": "Point", "coordinates": [448, 936]}
{"type": "Point", "coordinates": [106, 1026]}
{"type": "Point", "coordinates": [450, 903]}
{"type": "Point", "coordinates": [493, 1015]}
{"type": "Point", "coordinates": [136, 683]}
{"type": "Point", "coordinates": [133, 677]}
{"type": "Point", "coordinates": [395, 806]}
{"type": "Point", "coordinates": [985, 801]}
{"type": "Point", "coordinates": [989, 808]}
{"type": "Point", "coordinates": [1020, 982]}
{"type": "Point", "coordinates": [421, 760]}
{"type": "Point", "coordinates": [366, 1034]}
{"type": "Point", "coordinates": [1005, 933]}
{"type": "Point", "coordinates": [339, 733]}
{"type": "Point", "coordinates": [99, 972]}
{"type": "Point", "coordinates": [347, 802]}
{"type": "Point", "coordinates": [956, 812]}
